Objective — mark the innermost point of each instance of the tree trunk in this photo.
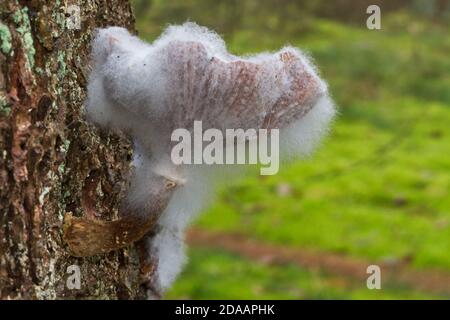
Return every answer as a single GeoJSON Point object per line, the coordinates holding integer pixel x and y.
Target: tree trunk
{"type": "Point", "coordinates": [51, 161]}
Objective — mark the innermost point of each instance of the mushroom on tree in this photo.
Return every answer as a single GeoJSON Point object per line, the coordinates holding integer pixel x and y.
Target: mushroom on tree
{"type": "Point", "coordinates": [186, 75]}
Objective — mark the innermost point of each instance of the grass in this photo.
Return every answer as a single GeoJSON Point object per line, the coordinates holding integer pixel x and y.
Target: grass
{"type": "Point", "coordinates": [220, 275]}
{"type": "Point", "coordinates": [379, 186]}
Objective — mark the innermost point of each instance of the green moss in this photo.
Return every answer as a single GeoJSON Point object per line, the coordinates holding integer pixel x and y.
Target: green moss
{"type": "Point", "coordinates": [58, 16]}
{"type": "Point", "coordinates": [62, 168]}
{"type": "Point", "coordinates": [62, 68]}
{"type": "Point", "coordinates": [22, 21]}
{"type": "Point", "coordinates": [5, 108]}
{"type": "Point", "coordinates": [5, 37]}
{"type": "Point", "coordinates": [65, 146]}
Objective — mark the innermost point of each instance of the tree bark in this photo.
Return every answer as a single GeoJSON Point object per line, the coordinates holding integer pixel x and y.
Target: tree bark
{"type": "Point", "coordinates": [53, 162]}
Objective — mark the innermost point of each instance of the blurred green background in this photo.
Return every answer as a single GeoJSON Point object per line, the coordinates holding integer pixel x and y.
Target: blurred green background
{"type": "Point", "coordinates": [377, 190]}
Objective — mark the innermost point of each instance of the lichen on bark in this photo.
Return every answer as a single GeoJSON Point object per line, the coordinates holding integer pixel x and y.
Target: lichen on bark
{"type": "Point", "coordinates": [51, 160]}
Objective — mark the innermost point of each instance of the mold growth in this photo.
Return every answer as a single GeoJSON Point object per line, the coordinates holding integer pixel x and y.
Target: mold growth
{"type": "Point", "coordinates": [186, 75]}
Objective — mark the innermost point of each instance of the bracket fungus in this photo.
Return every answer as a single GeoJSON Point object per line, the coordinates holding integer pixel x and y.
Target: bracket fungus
{"type": "Point", "coordinates": [186, 75]}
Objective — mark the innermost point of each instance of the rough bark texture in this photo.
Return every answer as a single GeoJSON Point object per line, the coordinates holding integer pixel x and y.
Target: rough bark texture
{"type": "Point", "coordinates": [51, 160]}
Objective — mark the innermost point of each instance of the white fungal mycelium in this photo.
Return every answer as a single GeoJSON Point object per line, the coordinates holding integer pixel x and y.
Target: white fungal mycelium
{"type": "Point", "coordinates": [148, 90]}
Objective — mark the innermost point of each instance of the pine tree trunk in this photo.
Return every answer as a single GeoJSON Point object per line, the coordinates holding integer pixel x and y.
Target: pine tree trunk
{"type": "Point", "coordinates": [51, 161]}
